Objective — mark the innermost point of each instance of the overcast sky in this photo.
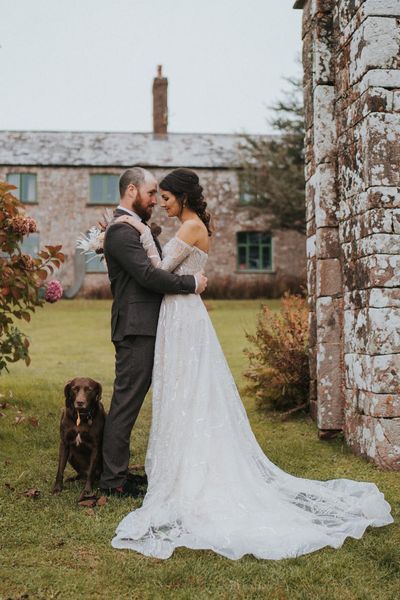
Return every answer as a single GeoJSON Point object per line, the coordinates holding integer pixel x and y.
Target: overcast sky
{"type": "Point", "coordinates": [89, 64]}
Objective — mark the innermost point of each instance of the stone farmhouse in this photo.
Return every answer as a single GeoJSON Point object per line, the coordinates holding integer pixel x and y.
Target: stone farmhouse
{"type": "Point", "coordinates": [67, 180]}
{"type": "Point", "coordinates": [351, 57]}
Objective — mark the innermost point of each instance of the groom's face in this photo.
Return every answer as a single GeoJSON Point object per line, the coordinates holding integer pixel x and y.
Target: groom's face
{"type": "Point", "coordinates": [146, 199]}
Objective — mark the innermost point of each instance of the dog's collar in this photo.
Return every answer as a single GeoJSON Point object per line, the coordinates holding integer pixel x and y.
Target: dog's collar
{"type": "Point", "coordinates": [85, 415]}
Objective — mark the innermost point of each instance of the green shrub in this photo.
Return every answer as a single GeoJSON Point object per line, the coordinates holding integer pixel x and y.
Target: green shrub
{"type": "Point", "coordinates": [231, 288]}
{"type": "Point", "coordinates": [278, 373]}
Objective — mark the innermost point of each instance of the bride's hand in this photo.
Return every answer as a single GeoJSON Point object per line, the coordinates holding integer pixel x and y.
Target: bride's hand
{"type": "Point", "coordinates": [141, 227]}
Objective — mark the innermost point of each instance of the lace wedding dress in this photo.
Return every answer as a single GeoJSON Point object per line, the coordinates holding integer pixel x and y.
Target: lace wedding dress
{"type": "Point", "coordinates": [210, 486]}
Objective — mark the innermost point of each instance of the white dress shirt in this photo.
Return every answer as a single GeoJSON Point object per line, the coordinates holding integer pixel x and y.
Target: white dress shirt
{"type": "Point", "coordinates": [130, 212]}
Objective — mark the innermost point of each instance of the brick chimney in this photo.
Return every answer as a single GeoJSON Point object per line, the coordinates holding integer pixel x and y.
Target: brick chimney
{"type": "Point", "coordinates": [160, 103]}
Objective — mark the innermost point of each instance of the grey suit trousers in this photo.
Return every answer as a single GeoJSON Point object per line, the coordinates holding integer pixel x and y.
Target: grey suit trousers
{"type": "Point", "coordinates": [134, 356]}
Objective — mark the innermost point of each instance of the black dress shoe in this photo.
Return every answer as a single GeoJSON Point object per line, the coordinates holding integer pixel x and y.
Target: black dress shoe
{"type": "Point", "coordinates": [136, 479]}
{"type": "Point", "coordinates": [127, 489]}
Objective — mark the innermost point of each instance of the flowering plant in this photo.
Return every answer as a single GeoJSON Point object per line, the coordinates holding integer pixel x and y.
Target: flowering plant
{"type": "Point", "coordinates": [21, 276]}
{"type": "Point", "coordinates": [54, 291]}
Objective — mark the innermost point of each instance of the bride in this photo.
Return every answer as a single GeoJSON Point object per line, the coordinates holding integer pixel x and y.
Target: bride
{"type": "Point", "coordinates": [210, 486]}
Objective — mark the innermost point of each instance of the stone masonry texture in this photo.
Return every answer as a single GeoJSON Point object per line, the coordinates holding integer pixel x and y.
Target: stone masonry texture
{"type": "Point", "coordinates": [351, 58]}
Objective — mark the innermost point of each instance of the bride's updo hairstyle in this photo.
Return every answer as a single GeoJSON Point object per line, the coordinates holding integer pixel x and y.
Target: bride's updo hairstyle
{"type": "Point", "coordinates": [184, 185]}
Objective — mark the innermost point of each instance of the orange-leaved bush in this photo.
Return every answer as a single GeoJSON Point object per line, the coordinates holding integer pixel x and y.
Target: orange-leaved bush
{"type": "Point", "coordinates": [21, 276]}
{"type": "Point", "coordinates": [278, 373]}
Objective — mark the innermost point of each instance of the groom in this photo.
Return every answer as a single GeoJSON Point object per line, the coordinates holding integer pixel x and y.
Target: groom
{"type": "Point", "coordinates": [137, 288]}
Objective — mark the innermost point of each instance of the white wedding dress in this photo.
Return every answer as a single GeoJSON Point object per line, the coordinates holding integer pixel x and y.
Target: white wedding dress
{"type": "Point", "coordinates": [210, 486]}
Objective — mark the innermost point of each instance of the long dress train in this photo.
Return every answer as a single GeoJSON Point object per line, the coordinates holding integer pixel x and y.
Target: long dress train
{"type": "Point", "coordinates": [210, 485]}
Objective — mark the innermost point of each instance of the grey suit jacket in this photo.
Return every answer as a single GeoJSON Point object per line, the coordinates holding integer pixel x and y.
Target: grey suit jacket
{"type": "Point", "coordinates": [137, 286]}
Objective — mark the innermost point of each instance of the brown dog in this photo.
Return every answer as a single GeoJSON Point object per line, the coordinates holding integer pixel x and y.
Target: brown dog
{"type": "Point", "coordinates": [81, 430]}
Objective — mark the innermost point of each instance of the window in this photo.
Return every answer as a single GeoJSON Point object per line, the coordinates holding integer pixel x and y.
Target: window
{"type": "Point", "coordinates": [94, 264]}
{"type": "Point", "coordinates": [26, 184]}
{"type": "Point", "coordinates": [31, 244]}
{"type": "Point", "coordinates": [248, 190]}
{"type": "Point", "coordinates": [104, 189]}
{"type": "Point", "coordinates": [254, 251]}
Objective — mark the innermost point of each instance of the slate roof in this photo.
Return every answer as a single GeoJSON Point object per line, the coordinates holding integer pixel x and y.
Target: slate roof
{"type": "Point", "coordinates": [122, 149]}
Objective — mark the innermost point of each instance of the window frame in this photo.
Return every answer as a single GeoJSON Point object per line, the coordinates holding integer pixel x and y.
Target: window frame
{"type": "Point", "coordinates": [253, 197]}
{"type": "Point", "coordinates": [34, 239]}
{"type": "Point", "coordinates": [22, 187]}
{"type": "Point", "coordinates": [92, 202]}
{"type": "Point", "coordinates": [270, 268]}
{"type": "Point", "coordinates": [92, 266]}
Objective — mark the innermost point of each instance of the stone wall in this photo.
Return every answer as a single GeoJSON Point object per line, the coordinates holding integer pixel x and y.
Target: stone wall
{"type": "Point", "coordinates": [62, 212]}
{"type": "Point", "coordinates": [351, 57]}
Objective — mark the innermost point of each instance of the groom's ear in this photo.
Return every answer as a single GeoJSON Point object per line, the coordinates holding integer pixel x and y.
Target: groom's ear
{"type": "Point", "coordinates": [133, 190]}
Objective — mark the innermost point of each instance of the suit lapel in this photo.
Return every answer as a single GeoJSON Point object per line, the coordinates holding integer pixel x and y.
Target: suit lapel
{"type": "Point", "coordinates": [118, 213]}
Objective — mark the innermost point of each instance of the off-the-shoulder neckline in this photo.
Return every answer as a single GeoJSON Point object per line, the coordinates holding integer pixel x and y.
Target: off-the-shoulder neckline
{"type": "Point", "coordinates": [190, 246]}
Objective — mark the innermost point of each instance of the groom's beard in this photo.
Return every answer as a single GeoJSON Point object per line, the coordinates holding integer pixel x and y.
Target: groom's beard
{"type": "Point", "coordinates": [140, 209]}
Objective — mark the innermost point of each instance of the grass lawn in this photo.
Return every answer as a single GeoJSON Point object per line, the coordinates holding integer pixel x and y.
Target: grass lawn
{"type": "Point", "coordinates": [52, 548]}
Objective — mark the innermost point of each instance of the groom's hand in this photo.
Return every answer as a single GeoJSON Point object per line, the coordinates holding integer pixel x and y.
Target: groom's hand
{"type": "Point", "coordinates": [201, 281]}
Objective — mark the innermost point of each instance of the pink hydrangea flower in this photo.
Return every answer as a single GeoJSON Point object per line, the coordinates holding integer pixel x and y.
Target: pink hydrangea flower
{"type": "Point", "coordinates": [21, 225]}
{"type": "Point", "coordinates": [54, 291]}
{"type": "Point", "coordinates": [31, 224]}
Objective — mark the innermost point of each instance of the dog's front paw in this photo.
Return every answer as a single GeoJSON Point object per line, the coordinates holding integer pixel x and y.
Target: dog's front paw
{"type": "Point", "coordinates": [57, 488]}
{"type": "Point", "coordinates": [86, 494]}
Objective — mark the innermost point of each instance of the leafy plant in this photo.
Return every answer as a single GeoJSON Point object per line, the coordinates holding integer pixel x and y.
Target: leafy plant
{"type": "Point", "coordinates": [21, 276]}
{"type": "Point", "coordinates": [279, 370]}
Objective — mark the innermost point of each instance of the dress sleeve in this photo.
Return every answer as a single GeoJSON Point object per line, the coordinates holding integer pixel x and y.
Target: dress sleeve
{"type": "Point", "coordinates": [178, 250]}
{"type": "Point", "coordinates": [124, 252]}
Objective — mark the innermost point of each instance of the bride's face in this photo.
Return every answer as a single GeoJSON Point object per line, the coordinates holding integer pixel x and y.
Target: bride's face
{"type": "Point", "coordinates": [170, 204]}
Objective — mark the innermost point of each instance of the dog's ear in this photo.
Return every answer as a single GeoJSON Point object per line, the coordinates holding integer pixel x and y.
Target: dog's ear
{"type": "Point", "coordinates": [68, 394]}
{"type": "Point", "coordinates": [99, 391]}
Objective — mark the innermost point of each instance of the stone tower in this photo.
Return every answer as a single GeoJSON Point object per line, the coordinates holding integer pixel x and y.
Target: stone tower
{"type": "Point", "coordinates": [160, 103]}
{"type": "Point", "coordinates": [351, 58]}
